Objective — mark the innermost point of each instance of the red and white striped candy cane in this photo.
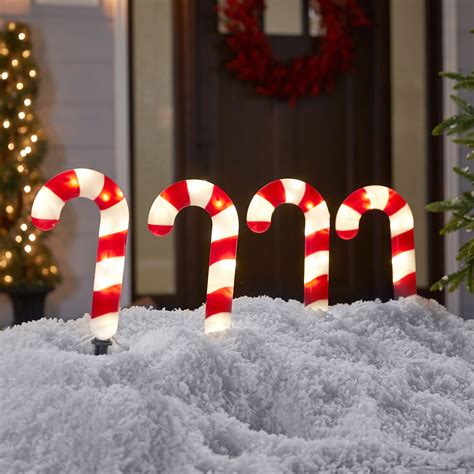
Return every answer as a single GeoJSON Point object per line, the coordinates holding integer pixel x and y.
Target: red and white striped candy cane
{"type": "Point", "coordinates": [225, 229]}
{"type": "Point", "coordinates": [113, 231]}
{"type": "Point", "coordinates": [401, 230]}
{"type": "Point", "coordinates": [317, 222]}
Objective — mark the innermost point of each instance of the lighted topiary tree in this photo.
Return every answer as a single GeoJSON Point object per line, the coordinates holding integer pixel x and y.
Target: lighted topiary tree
{"type": "Point", "coordinates": [26, 264]}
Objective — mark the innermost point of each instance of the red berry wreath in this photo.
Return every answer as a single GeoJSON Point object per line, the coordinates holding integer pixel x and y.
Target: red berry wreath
{"type": "Point", "coordinates": [255, 63]}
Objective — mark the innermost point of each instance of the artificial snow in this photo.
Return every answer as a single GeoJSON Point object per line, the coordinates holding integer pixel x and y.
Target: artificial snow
{"type": "Point", "coordinates": [368, 386]}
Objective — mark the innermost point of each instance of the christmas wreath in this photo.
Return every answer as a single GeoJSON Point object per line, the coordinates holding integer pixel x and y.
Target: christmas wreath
{"type": "Point", "coordinates": [254, 61]}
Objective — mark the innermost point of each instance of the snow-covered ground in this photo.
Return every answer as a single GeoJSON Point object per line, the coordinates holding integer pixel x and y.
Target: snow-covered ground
{"type": "Point", "coordinates": [365, 386]}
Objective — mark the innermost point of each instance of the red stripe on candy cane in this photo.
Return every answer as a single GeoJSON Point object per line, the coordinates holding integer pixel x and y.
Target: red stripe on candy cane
{"type": "Point", "coordinates": [113, 231]}
{"type": "Point", "coordinates": [317, 221]}
{"type": "Point", "coordinates": [401, 230]}
{"type": "Point", "coordinates": [223, 251]}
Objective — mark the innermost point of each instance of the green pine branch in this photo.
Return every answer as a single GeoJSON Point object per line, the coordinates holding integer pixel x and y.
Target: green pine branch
{"type": "Point", "coordinates": [461, 208]}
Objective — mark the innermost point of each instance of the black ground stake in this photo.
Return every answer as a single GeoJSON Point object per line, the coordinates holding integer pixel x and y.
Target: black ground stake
{"type": "Point", "coordinates": [101, 346]}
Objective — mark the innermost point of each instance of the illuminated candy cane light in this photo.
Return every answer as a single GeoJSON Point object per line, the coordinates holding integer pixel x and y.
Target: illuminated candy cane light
{"type": "Point", "coordinates": [113, 230]}
{"type": "Point", "coordinates": [225, 229]}
{"type": "Point", "coordinates": [401, 230]}
{"type": "Point", "coordinates": [317, 221]}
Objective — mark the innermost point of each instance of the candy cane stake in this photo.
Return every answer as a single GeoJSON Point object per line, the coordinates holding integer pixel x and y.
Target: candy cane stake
{"type": "Point", "coordinates": [113, 230]}
{"type": "Point", "coordinates": [225, 229]}
{"type": "Point", "coordinates": [401, 230]}
{"type": "Point", "coordinates": [317, 221]}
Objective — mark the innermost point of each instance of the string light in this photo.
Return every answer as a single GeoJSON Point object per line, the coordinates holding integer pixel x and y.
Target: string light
{"type": "Point", "coordinates": [20, 168]}
{"type": "Point", "coordinates": [8, 278]}
{"type": "Point", "coordinates": [27, 102]}
{"type": "Point", "coordinates": [3, 263]}
{"type": "Point", "coordinates": [21, 115]}
{"type": "Point", "coordinates": [18, 238]}
{"type": "Point", "coordinates": [34, 138]}
{"type": "Point", "coordinates": [14, 62]}
{"type": "Point", "coordinates": [45, 271]}
{"type": "Point", "coordinates": [23, 227]}
{"type": "Point", "coordinates": [6, 123]}
{"type": "Point", "coordinates": [32, 237]}
{"type": "Point", "coordinates": [53, 269]}
{"type": "Point", "coordinates": [9, 209]}
{"type": "Point", "coordinates": [26, 53]}
{"type": "Point", "coordinates": [28, 149]}
{"type": "Point", "coordinates": [23, 153]}
{"type": "Point", "coordinates": [27, 248]}
{"type": "Point", "coordinates": [32, 73]}
{"type": "Point", "coordinates": [27, 189]}
{"type": "Point", "coordinates": [11, 26]}
{"type": "Point", "coordinates": [21, 36]}
{"type": "Point", "coordinates": [19, 86]}
{"type": "Point", "coordinates": [11, 146]}
{"type": "Point", "coordinates": [4, 75]}
{"type": "Point", "coordinates": [8, 254]}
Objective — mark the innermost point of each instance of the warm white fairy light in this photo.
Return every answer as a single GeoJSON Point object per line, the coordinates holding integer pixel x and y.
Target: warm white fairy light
{"type": "Point", "coordinates": [34, 138]}
{"type": "Point", "coordinates": [20, 168]}
{"type": "Point", "coordinates": [27, 188]}
{"type": "Point", "coordinates": [14, 62]}
{"type": "Point", "coordinates": [23, 227]}
{"type": "Point", "coordinates": [11, 26]}
{"type": "Point", "coordinates": [32, 73]}
{"type": "Point", "coordinates": [27, 149]}
{"type": "Point", "coordinates": [18, 238]}
{"type": "Point", "coordinates": [11, 146]}
{"type": "Point", "coordinates": [4, 75]}
{"type": "Point", "coordinates": [32, 237]}
{"type": "Point", "coordinates": [9, 209]}
{"type": "Point", "coordinates": [27, 102]}
{"type": "Point", "coordinates": [8, 254]}
{"type": "Point", "coordinates": [8, 278]}
{"type": "Point", "coordinates": [21, 36]}
{"type": "Point", "coordinates": [19, 86]}
{"type": "Point", "coordinates": [26, 53]}
{"type": "Point", "coordinates": [6, 123]}
{"type": "Point", "coordinates": [27, 248]}
{"type": "Point", "coordinates": [21, 115]}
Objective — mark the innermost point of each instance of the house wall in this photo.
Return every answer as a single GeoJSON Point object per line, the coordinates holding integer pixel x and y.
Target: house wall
{"type": "Point", "coordinates": [74, 49]}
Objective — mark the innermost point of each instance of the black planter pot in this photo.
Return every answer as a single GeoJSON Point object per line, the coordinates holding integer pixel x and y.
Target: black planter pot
{"type": "Point", "coordinates": [28, 303]}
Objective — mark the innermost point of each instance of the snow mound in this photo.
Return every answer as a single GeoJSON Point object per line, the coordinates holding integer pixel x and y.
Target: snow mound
{"type": "Point", "coordinates": [368, 386]}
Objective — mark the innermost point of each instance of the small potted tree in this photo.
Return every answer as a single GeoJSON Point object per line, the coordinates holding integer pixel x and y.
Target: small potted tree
{"type": "Point", "coordinates": [27, 269]}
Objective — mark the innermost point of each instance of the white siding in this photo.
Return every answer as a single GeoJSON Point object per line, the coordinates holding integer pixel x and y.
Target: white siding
{"type": "Point", "coordinates": [74, 48]}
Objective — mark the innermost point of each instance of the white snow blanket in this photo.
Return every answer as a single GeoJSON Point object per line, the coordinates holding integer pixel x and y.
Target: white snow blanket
{"type": "Point", "coordinates": [368, 386]}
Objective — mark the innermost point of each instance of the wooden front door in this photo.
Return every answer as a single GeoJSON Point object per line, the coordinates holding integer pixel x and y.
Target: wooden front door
{"type": "Point", "coordinates": [337, 142]}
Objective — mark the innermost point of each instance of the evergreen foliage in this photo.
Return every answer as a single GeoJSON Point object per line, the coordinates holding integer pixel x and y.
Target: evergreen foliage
{"type": "Point", "coordinates": [461, 207]}
{"type": "Point", "coordinates": [25, 260]}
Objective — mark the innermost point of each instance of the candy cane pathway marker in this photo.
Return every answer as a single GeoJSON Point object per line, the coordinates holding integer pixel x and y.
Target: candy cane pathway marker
{"type": "Point", "coordinates": [401, 230]}
{"type": "Point", "coordinates": [225, 229]}
{"type": "Point", "coordinates": [317, 222]}
{"type": "Point", "coordinates": [113, 230]}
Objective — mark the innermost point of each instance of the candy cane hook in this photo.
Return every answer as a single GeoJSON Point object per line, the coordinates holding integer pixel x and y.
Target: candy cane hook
{"type": "Point", "coordinates": [317, 221]}
{"type": "Point", "coordinates": [113, 230]}
{"type": "Point", "coordinates": [225, 229]}
{"type": "Point", "coordinates": [401, 230]}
